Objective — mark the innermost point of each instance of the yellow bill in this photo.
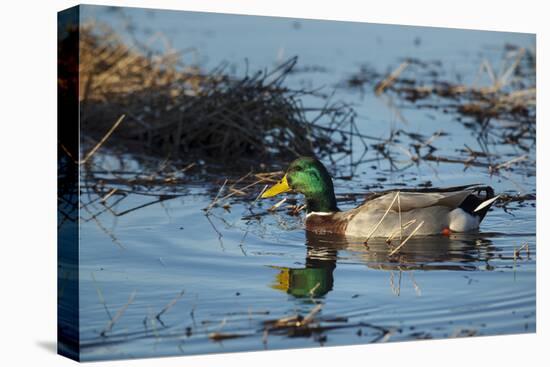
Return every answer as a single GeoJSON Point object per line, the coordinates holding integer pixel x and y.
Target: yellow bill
{"type": "Point", "coordinates": [282, 280]}
{"type": "Point", "coordinates": [278, 188]}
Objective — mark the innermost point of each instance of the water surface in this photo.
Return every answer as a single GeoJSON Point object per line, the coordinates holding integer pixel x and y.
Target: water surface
{"type": "Point", "coordinates": [236, 274]}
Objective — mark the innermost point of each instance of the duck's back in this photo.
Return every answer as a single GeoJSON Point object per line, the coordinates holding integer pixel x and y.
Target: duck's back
{"type": "Point", "coordinates": [427, 212]}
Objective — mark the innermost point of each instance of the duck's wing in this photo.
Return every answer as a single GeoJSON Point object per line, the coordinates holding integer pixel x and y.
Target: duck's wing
{"type": "Point", "coordinates": [451, 197]}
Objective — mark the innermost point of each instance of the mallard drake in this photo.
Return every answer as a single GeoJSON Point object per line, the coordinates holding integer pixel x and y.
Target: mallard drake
{"type": "Point", "coordinates": [404, 212]}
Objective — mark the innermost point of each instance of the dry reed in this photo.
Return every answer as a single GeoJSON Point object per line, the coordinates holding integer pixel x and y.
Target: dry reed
{"type": "Point", "coordinates": [185, 113]}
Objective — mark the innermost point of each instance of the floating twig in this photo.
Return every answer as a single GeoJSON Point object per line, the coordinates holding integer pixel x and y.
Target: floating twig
{"type": "Point", "coordinates": [100, 296]}
{"type": "Point", "coordinates": [383, 217]}
{"type": "Point", "coordinates": [391, 78]}
{"type": "Point", "coordinates": [406, 239]}
{"type": "Point", "coordinates": [277, 205]}
{"type": "Point", "coordinates": [169, 305]}
{"type": "Point", "coordinates": [400, 230]}
{"type": "Point", "coordinates": [510, 162]}
{"type": "Point", "coordinates": [118, 315]}
{"type": "Point", "coordinates": [103, 140]}
{"type": "Point", "coordinates": [207, 209]}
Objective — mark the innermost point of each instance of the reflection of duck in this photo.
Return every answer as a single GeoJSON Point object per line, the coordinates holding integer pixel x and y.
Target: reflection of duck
{"type": "Point", "coordinates": [314, 280]}
{"type": "Point", "coordinates": [430, 253]}
{"type": "Point", "coordinates": [456, 252]}
{"type": "Point", "coordinates": [435, 211]}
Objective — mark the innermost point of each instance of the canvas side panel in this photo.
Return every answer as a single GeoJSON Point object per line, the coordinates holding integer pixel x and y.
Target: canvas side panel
{"type": "Point", "coordinates": [67, 168]}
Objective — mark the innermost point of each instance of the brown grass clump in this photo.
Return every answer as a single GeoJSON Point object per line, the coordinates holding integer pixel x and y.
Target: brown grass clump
{"type": "Point", "coordinates": [502, 100]}
{"type": "Point", "coordinates": [181, 112]}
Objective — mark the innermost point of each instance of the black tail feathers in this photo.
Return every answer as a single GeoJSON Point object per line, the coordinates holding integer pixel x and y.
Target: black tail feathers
{"type": "Point", "coordinates": [473, 201]}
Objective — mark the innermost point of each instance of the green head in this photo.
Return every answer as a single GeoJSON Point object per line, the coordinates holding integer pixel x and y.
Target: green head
{"type": "Point", "coordinates": [309, 177]}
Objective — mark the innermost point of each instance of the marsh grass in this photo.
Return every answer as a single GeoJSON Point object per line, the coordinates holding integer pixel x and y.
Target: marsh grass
{"type": "Point", "coordinates": [183, 124]}
{"type": "Point", "coordinates": [187, 113]}
{"type": "Point", "coordinates": [500, 101]}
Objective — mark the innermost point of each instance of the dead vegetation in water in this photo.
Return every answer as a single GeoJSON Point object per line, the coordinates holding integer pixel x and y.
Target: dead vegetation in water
{"type": "Point", "coordinates": [152, 124]}
{"type": "Point", "coordinates": [314, 325]}
{"type": "Point", "coordinates": [498, 106]}
{"type": "Point", "coordinates": [500, 102]}
{"type": "Point", "coordinates": [403, 150]}
{"type": "Point", "coordinates": [179, 122]}
{"type": "Point", "coordinates": [187, 113]}
{"type": "Point", "coordinates": [168, 178]}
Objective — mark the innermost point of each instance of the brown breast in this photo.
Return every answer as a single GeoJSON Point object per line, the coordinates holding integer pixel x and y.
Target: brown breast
{"type": "Point", "coordinates": [329, 223]}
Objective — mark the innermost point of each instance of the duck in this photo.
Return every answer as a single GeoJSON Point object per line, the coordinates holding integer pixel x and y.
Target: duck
{"type": "Point", "coordinates": [385, 214]}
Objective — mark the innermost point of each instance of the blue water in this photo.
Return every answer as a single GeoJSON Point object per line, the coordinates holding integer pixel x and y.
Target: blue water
{"type": "Point", "coordinates": [231, 269]}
